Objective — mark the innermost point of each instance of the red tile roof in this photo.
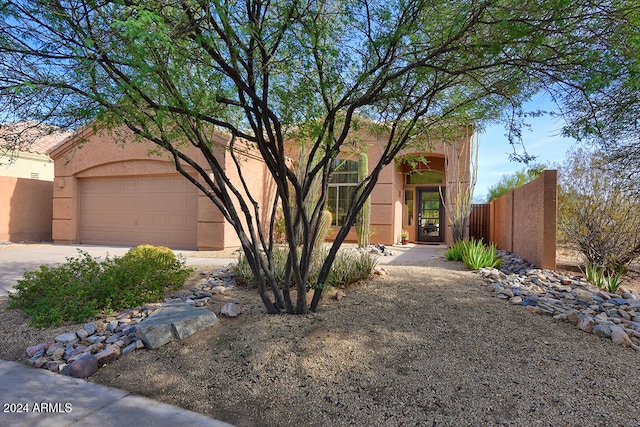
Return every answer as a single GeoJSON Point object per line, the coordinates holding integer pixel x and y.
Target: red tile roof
{"type": "Point", "coordinates": [31, 137]}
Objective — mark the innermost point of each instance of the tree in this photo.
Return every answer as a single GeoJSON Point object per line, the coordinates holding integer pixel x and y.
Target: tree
{"type": "Point", "coordinates": [515, 180]}
{"type": "Point", "coordinates": [597, 216]}
{"type": "Point", "coordinates": [173, 72]}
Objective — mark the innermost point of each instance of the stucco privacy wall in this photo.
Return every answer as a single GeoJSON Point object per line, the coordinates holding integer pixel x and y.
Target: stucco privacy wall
{"type": "Point", "coordinates": [524, 220]}
{"type": "Point", "coordinates": [26, 209]}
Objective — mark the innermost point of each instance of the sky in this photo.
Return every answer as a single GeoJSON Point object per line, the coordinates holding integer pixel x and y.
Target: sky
{"type": "Point", "coordinates": [542, 140]}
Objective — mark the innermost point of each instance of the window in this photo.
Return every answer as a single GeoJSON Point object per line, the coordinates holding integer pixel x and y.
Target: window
{"type": "Point", "coordinates": [424, 177]}
{"type": "Point", "coordinates": [408, 206]}
{"type": "Point", "coordinates": [341, 188]}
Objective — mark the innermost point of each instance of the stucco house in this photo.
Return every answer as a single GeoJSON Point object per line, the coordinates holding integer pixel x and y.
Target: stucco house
{"type": "Point", "coordinates": [26, 175]}
{"type": "Point", "coordinates": [106, 194]}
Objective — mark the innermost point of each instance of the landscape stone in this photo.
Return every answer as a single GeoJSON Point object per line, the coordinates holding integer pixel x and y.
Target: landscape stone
{"type": "Point", "coordinates": [83, 367]}
{"type": "Point", "coordinates": [173, 322]}
{"type": "Point", "coordinates": [38, 347]}
{"type": "Point", "coordinates": [620, 337]}
{"type": "Point", "coordinates": [230, 310]}
{"type": "Point", "coordinates": [109, 354]}
{"type": "Point", "coordinates": [66, 338]}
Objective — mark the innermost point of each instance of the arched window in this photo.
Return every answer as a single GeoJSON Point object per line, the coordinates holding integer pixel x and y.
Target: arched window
{"type": "Point", "coordinates": [341, 187]}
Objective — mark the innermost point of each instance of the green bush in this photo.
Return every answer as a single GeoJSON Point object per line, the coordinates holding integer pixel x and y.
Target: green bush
{"type": "Point", "coordinates": [602, 278]}
{"type": "Point", "coordinates": [474, 254]}
{"type": "Point", "coordinates": [348, 267]}
{"type": "Point", "coordinates": [455, 252]}
{"type": "Point", "coordinates": [477, 255]}
{"type": "Point", "coordinates": [84, 287]}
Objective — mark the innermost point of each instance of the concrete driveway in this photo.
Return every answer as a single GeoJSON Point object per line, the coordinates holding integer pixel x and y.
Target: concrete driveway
{"type": "Point", "coordinates": [15, 259]}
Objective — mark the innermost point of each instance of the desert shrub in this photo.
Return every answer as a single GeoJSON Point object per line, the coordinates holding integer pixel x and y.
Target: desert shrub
{"type": "Point", "coordinates": [474, 253]}
{"type": "Point", "coordinates": [84, 287]}
{"type": "Point", "coordinates": [601, 278]}
{"type": "Point", "coordinates": [159, 256]}
{"type": "Point", "coordinates": [349, 267]}
{"type": "Point", "coordinates": [477, 255]}
{"type": "Point", "coordinates": [455, 252]}
{"type": "Point", "coordinates": [597, 215]}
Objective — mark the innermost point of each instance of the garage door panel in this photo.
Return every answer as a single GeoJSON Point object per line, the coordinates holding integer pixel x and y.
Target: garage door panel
{"type": "Point", "coordinates": [134, 210]}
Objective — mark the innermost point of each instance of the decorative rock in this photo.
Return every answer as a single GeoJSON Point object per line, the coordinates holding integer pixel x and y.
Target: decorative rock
{"type": "Point", "coordinates": [90, 328]}
{"type": "Point", "coordinates": [83, 367]}
{"type": "Point", "coordinates": [620, 337]}
{"type": "Point", "coordinates": [173, 322]}
{"type": "Point", "coordinates": [31, 351]}
{"type": "Point", "coordinates": [572, 316]}
{"type": "Point", "coordinates": [339, 296]}
{"type": "Point", "coordinates": [82, 333]}
{"type": "Point", "coordinates": [219, 289]}
{"type": "Point", "coordinates": [109, 354]}
{"type": "Point", "coordinates": [230, 310]}
{"type": "Point", "coordinates": [602, 330]}
{"type": "Point", "coordinates": [66, 338]}
{"type": "Point", "coordinates": [585, 323]}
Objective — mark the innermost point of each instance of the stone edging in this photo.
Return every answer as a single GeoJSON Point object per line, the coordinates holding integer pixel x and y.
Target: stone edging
{"type": "Point", "coordinates": [571, 299]}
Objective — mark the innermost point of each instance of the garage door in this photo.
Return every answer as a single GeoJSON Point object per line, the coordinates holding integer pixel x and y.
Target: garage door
{"type": "Point", "coordinates": [160, 210]}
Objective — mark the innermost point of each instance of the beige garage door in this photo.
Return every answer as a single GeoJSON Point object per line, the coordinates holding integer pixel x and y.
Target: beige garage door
{"type": "Point", "coordinates": [160, 210]}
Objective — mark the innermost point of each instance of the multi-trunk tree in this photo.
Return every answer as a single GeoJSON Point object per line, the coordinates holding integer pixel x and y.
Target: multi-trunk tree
{"type": "Point", "coordinates": [173, 72]}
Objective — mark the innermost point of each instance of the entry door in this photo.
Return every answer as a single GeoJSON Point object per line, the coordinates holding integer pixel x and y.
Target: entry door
{"type": "Point", "coordinates": [430, 216]}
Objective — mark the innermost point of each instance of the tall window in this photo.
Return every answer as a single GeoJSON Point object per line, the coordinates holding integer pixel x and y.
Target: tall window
{"type": "Point", "coordinates": [341, 187]}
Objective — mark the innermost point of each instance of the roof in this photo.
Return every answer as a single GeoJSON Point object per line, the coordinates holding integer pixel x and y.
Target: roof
{"type": "Point", "coordinates": [30, 137]}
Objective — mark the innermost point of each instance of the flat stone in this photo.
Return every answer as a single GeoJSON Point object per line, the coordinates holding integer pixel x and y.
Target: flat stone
{"type": "Point", "coordinates": [66, 338]}
{"type": "Point", "coordinates": [173, 322]}
{"type": "Point", "coordinates": [90, 328]}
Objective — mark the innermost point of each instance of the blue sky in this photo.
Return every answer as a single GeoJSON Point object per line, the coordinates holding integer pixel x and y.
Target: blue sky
{"type": "Point", "coordinates": [542, 140]}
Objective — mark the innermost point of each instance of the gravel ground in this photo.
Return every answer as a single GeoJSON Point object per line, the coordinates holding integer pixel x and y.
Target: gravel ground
{"type": "Point", "coordinates": [424, 346]}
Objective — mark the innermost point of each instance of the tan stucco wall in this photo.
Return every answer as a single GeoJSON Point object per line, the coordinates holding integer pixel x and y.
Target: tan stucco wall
{"type": "Point", "coordinates": [524, 220]}
{"type": "Point", "coordinates": [24, 165]}
{"type": "Point", "coordinates": [100, 156]}
{"type": "Point", "coordinates": [25, 209]}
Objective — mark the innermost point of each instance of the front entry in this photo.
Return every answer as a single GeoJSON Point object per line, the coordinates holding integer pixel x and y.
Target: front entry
{"type": "Point", "coordinates": [430, 216]}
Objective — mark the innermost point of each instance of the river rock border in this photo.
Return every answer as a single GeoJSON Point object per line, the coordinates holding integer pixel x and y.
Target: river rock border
{"type": "Point", "coordinates": [80, 353]}
{"type": "Point", "coordinates": [567, 298]}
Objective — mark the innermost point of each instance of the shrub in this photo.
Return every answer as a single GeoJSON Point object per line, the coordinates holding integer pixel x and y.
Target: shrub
{"type": "Point", "coordinates": [597, 215]}
{"type": "Point", "coordinates": [601, 278]}
{"type": "Point", "coordinates": [348, 267]}
{"type": "Point", "coordinates": [476, 255]}
{"type": "Point", "coordinates": [455, 252]}
{"type": "Point", "coordinates": [84, 287]}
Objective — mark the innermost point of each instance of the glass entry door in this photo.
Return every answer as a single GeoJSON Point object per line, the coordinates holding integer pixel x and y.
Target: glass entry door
{"type": "Point", "coordinates": [430, 216]}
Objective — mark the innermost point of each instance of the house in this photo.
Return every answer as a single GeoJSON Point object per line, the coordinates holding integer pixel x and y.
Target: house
{"type": "Point", "coordinates": [107, 194]}
{"type": "Point", "coordinates": [26, 175]}
{"type": "Point", "coordinates": [23, 150]}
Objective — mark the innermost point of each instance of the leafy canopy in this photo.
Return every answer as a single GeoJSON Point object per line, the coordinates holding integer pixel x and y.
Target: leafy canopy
{"type": "Point", "coordinates": [247, 76]}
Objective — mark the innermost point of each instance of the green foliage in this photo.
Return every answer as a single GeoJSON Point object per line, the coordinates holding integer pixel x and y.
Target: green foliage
{"type": "Point", "coordinates": [515, 180]}
{"type": "Point", "coordinates": [455, 252]}
{"type": "Point", "coordinates": [602, 278]}
{"type": "Point", "coordinates": [84, 287]}
{"type": "Point", "coordinates": [363, 220]}
{"type": "Point", "coordinates": [597, 216]}
{"type": "Point", "coordinates": [159, 256]}
{"type": "Point", "coordinates": [474, 254]}
{"type": "Point", "coordinates": [348, 267]}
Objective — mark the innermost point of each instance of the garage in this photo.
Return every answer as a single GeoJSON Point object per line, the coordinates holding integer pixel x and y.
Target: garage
{"type": "Point", "coordinates": [127, 211]}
